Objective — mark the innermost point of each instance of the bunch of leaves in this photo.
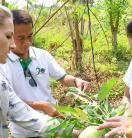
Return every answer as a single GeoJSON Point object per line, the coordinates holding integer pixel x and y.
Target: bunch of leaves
{"type": "Point", "coordinates": [63, 125]}
{"type": "Point", "coordinates": [98, 107]}
{"type": "Point", "coordinates": [74, 119]}
{"type": "Point", "coordinates": [88, 110]}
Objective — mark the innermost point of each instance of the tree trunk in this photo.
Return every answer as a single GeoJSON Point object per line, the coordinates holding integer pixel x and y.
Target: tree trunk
{"type": "Point", "coordinates": [82, 26]}
{"type": "Point", "coordinates": [78, 48]}
{"type": "Point", "coordinates": [77, 43]}
{"type": "Point", "coordinates": [73, 66]}
{"type": "Point", "coordinates": [114, 23]}
{"type": "Point", "coordinates": [114, 40]}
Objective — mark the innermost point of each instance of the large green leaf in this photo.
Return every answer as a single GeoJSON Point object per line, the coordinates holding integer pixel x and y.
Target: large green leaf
{"type": "Point", "coordinates": [105, 89]}
{"type": "Point", "coordinates": [67, 133]}
{"type": "Point", "coordinates": [76, 112]}
{"type": "Point", "coordinates": [65, 109]}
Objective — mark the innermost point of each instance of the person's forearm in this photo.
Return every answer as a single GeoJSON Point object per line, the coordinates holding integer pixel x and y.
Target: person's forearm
{"type": "Point", "coordinates": [37, 105]}
{"type": "Point", "coordinates": [68, 80]}
{"type": "Point", "coordinates": [45, 107]}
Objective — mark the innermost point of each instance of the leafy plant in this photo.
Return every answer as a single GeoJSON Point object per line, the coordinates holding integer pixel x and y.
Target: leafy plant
{"type": "Point", "coordinates": [89, 110]}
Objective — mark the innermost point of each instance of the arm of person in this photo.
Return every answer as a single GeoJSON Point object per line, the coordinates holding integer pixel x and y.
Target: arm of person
{"type": "Point", "coordinates": [26, 117]}
{"type": "Point", "coordinates": [45, 107]}
{"type": "Point", "coordinates": [57, 72]}
{"type": "Point", "coordinates": [19, 112]}
{"type": "Point", "coordinates": [69, 80]}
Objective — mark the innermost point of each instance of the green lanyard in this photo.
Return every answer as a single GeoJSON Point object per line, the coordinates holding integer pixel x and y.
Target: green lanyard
{"type": "Point", "coordinates": [24, 63]}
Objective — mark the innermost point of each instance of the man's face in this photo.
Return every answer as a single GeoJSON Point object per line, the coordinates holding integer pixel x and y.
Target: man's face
{"type": "Point", "coordinates": [23, 38]}
{"type": "Point", "coordinates": [130, 42]}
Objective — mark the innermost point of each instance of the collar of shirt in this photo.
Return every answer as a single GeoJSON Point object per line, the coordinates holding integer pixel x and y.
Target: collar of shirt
{"type": "Point", "coordinates": [24, 63]}
{"type": "Point", "coordinates": [13, 57]}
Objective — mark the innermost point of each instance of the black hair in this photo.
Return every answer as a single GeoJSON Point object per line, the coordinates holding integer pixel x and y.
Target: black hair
{"type": "Point", "coordinates": [21, 17]}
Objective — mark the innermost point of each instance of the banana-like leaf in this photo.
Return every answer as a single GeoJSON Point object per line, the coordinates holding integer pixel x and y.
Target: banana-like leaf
{"type": "Point", "coordinates": [105, 89]}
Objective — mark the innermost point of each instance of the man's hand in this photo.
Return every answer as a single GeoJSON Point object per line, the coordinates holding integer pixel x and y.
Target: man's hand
{"type": "Point", "coordinates": [120, 124]}
{"type": "Point", "coordinates": [69, 80]}
{"type": "Point", "coordinates": [51, 111]}
{"type": "Point", "coordinates": [46, 108]}
{"type": "Point", "coordinates": [81, 84]}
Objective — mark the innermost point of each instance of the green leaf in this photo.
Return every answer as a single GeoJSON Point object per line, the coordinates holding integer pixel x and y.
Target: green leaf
{"type": "Point", "coordinates": [80, 114]}
{"type": "Point", "coordinates": [76, 112]}
{"type": "Point", "coordinates": [77, 96]}
{"type": "Point", "coordinates": [120, 110]}
{"type": "Point", "coordinates": [105, 89]}
{"type": "Point", "coordinates": [67, 133]}
{"type": "Point", "coordinates": [65, 109]}
{"type": "Point", "coordinates": [75, 90]}
{"type": "Point", "coordinates": [72, 89]}
{"type": "Point", "coordinates": [56, 129]}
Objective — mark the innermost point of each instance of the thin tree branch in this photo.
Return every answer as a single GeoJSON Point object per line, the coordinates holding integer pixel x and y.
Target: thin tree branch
{"type": "Point", "coordinates": [15, 4]}
{"type": "Point", "coordinates": [38, 15]}
{"type": "Point", "coordinates": [101, 27]}
{"type": "Point", "coordinates": [61, 43]}
{"type": "Point", "coordinates": [51, 17]}
{"type": "Point", "coordinates": [70, 25]}
{"type": "Point", "coordinates": [90, 31]}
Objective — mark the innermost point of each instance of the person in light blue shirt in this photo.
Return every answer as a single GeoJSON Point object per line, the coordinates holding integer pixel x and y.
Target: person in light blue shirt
{"type": "Point", "coordinates": [29, 70]}
{"type": "Point", "coordinates": [13, 108]}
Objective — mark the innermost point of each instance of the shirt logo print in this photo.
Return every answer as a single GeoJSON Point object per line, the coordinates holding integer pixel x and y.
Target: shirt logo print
{"type": "Point", "coordinates": [11, 105]}
{"type": "Point", "coordinates": [4, 86]}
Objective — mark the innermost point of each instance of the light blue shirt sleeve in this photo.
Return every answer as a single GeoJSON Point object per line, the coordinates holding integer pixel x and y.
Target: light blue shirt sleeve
{"type": "Point", "coordinates": [55, 70]}
{"type": "Point", "coordinates": [17, 111]}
